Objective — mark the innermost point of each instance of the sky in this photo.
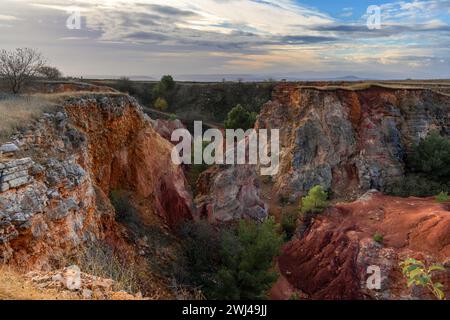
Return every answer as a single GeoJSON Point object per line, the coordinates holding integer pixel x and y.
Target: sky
{"type": "Point", "coordinates": [193, 39]}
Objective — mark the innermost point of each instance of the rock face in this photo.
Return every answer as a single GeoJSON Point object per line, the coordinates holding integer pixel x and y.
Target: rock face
{"type": "Point", "coordinates": [55, 196]}
{"type": "Point", "coordinates": [230, 193]}
{"type": "Point", "coordinates": [348, 141]}
{"type": "Point", "coordinates": [166, 127]}
{"type": "Point", "coordinates": [330, 260]}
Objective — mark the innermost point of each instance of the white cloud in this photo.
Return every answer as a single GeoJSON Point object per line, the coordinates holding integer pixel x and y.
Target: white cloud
{"type": "Point", "coordinates": [7, 18]}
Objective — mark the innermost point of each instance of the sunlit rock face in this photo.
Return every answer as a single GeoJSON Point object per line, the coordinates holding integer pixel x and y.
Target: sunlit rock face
{"type": "Point", "coordinates": [348, 141]}
{"type": "Point", "coordinates": [231, 193]}
{"type": "Point", "coordinates": [55, 188]}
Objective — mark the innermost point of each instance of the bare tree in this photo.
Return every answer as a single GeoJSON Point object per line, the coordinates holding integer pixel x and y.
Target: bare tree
{"type": "Point", "coordinates": [50, 73]}
{"type": "Point", "coordinates": [17, 67]}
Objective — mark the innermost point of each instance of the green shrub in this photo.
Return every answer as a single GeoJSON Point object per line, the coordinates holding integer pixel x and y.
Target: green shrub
{"type": "Point", "coordinates": [121, 202]}
{"type": "Point", "coordinates": [247, 257]}
{"type": "Point", "coordinates": [173, 117]}
{"type": "Point", "coordinates": [201, 245]}
{"type": "Point", "coordinates": [161, 104]}
{"type": "Point", "coordinates": [432, 157]}
{"type": "Point", "coordinates": [289, 224]}
{"type": "Point", "coordinates": [417, 273]}
{"type": "Point", "coordinates": [417, 185]}
{"type": "Point", "coordinates": [164, 86]}
{"type": "Point", "coordinates": [315, 201]}
{"type": "Point", "coordinates": [378, 237]}
{"type": "Point", "coordinates": [443, 197]}
{"type": "Point", "coordinates": [240, 118]}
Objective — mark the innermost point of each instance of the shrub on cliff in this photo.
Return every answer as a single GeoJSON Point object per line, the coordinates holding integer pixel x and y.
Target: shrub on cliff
{"type": "Point", "coordinates": [442, 197]}
{"type": "Point", "coordinates": [247, 257]}
{"type": "Point", "coordinates": [432, 157]}
{"type": "Point", "coordinates": [315, 202]}
{"type": "Point", "coordinates": [200, 258]}
{"type": "Point", "coordinates": [161, 104]}
{"type": "Point", "coordinates": [417, 185]}
{"type": "Point", "coordinates": [240, 118]}
{"type": "Point", "coordinates": [418, 274]}
{"type": "Point", "coordinates": [289, 224]}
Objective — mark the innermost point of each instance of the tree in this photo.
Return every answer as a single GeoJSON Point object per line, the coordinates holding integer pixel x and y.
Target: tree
{"type": "Point", "coordinates": [240, 118]}
{"type": "Point", "coordinates": [315, 201]}
{"type": "Point", "coordinates": [17, 67]}
{"type": "Point", "coordinates": [432, 157]}
{"type": "Point", "coordinates": [161, 104]}
{"type": "Point", "coordinates": [124, 84]}
{"type": "Point", "coordinates": [50, 73]}
{"type": "Point", "coordinates": [247, 258]}
{"type": "Point", "coordinates": [165, 85]}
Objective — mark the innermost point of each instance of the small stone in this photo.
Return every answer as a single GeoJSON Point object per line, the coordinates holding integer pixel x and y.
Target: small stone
{"type": "Point", "coordinates": [58, 278]}
{"type": "Point", "coordinates": [2, 166]}
{"type": "Point", "coordinates": [87, 294]}
{"type": "Point", "coordinates": [4, 187]}
{"type": "Point", "coordinates": [9, 148]}
{"type": "Point", "coordinates": [19, 182]}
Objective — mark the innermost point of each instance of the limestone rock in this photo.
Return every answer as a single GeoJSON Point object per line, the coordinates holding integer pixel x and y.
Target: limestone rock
{"type": "Point", "coordinates": [91, 145]}
{"type": "Point", "coordinates": [9, 148]}
{"type": "Point", "coordinates": [348, 141]}
{"type": "Point", "coordinates": [231, 193]}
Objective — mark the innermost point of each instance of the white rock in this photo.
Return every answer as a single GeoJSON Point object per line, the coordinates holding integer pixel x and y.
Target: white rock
{"type": "Point", "coordinates": [9, 148]}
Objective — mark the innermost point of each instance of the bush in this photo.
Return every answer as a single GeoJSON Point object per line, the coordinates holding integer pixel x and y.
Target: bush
{"type": "Point", "coordinates": [161, 104]}
{"type": "Point", "coordinates": [417, 185]}
{"type": "Point", "coordinates": [240, 118]}
{"type": "Point", "coordinates": [201, 253]}
{"type": "Point", "coordinates": [289, 224]}
{"type": "Point", "coordinates": [247, 257]}
{"type": "Point", "coordinates": [124, 84]}
{"type": "Point", "coordinates": [417, 273]}
{"type": "Point", "coordinates": [101, 260]}
{"type": "Point", "coordinates": [443, 197]}
{"type": "Point", "coordinates": [378, 237]}
{"type": "Point", "coordinates": [50, 73]}
{"type": "Point", "coordinates": [315, 201]}
{"type": "Point", "coordinates": [432, 157]}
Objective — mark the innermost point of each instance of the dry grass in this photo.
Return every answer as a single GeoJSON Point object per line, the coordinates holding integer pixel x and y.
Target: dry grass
{"type": "Point", "coordinates": [102, 261]}
{"type": "Point", "coordinates": [14, 286]}
{"type": "Point", "coordinates": [16, 111]}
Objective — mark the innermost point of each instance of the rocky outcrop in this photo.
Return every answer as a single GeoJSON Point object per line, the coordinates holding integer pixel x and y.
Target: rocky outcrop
{"type": "Point", "coordinates": [166, 127]}
{"type": "Point", "coordinates": [348, 141]}
{"type": "Point", "coordinates": [70, 282]}
{"type": "Point", "coordinates": [230, 193]}
{"type": "Point", "coordinates": [55, 189]}
{"type": "Point", "coordinates": [330, 259]}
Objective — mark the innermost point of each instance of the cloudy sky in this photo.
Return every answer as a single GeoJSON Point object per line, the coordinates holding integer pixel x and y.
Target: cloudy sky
{"type": "Point", "coordinates": [303, 39]}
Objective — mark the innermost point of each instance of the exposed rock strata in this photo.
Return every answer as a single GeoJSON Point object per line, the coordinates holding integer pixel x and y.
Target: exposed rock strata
{"type": "Point", "coordinates": [348, 141]}
{"type": "Point", "coordinates": [230, 193]}
{"type": "Point", "coordinates": [56, 196]}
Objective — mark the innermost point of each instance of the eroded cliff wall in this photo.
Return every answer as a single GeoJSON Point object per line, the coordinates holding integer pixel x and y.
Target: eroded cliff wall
{"type": "Point", "coordinates": [55, 188]}
{"type": "Point", "coordinates": [348, 141]}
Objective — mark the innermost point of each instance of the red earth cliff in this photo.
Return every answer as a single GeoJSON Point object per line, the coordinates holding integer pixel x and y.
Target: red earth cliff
{"type": "Point", "coordinates": [55, 189]}
{"type": "Point", "coordinates": [330, 259]}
